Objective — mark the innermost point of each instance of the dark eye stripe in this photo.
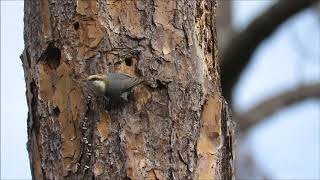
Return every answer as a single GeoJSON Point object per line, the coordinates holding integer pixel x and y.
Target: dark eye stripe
{"type": "Point", "coordinates": [94, 79]}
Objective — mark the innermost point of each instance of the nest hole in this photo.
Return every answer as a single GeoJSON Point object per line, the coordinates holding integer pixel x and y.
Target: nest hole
{"type": "Point", "coordinates": [76, 26]}
{"type": "Point", "coordinates": [53, 56]}
{"type": "Point", "coordinates": [128, 61]}
{"type": "Point", "coordinates": [56, 111]}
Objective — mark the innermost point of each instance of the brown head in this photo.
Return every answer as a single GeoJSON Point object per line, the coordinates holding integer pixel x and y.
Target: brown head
{"type": "Point", "coordinates": [98, 83]}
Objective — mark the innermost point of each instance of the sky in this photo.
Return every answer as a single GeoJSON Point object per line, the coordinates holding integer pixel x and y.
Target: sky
{"type": "Point", "coordinates": [14, 156]}
{"type": "Point", "coordinates": [287, 145]}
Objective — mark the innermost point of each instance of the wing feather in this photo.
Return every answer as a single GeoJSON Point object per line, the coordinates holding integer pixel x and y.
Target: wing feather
{"type": "Point", "coordinates": [120, 82]}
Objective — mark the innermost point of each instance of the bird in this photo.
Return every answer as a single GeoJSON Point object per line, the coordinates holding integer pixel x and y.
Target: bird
{"type": "Point", "coordinates": [114, 86]}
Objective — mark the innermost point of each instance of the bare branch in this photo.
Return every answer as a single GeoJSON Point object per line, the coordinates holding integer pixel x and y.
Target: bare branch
{"type": "Point", "coordinates": [238, 54]}
{"type": "Point", "coordinates": [268, 107]}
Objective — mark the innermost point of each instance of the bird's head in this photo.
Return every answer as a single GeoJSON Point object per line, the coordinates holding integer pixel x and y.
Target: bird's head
{"type": "Point", "coordinates": [98, 83]}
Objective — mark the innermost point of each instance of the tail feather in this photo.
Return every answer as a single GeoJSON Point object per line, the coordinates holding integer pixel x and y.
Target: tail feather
{"type": "Point", "coordinates": [134, 82]}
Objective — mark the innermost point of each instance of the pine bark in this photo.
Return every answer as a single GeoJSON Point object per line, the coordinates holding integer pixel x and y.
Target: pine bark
{"type": "Point", "coordinates": [177, 126]}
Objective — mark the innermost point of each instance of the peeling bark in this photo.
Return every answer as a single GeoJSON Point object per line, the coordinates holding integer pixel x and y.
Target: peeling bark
{"type": "Point", "coordinates": [177, 125]}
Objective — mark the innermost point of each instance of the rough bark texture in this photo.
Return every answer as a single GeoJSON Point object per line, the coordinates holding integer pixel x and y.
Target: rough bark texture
{"type": "Point", "coordinates": [177, 126]}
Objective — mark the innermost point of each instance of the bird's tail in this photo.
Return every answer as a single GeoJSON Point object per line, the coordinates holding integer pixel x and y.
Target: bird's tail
{"type": "Point", "coordinates": [138, 81]}
{"type": "Point", "coordinates": [134, 82]}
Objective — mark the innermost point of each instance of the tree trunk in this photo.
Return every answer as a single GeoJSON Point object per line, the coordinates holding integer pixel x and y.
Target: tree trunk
{"type": "Point", "coordinates": [177, 125]}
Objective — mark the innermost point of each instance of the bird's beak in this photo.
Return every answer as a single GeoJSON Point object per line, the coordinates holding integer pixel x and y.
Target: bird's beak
{"type": "Point", "coordinates": [84, 80]}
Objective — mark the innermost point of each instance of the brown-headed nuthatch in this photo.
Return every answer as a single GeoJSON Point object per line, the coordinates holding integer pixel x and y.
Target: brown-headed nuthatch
{"type": "Point", "coordinates": [113, 85]}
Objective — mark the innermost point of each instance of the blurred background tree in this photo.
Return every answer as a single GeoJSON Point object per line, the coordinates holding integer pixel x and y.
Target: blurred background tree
{"type": "Point", "coordinates": [270, 66]}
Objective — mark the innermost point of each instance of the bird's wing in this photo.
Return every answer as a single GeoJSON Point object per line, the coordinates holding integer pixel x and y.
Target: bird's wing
{"type": "Point", "coordinates": [131, 82]}
{"type": "Point", "coordinates": [119, 76]}
{"type": "Point", "coordinates": [123, 81]}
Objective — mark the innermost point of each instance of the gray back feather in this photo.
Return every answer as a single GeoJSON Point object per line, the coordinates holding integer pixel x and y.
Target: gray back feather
{"type": "Point", "coordinates": [119, 82]}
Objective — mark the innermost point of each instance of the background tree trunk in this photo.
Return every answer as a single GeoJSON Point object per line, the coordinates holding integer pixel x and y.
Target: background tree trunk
{"type": "Point", "coordinates": [177, 126]}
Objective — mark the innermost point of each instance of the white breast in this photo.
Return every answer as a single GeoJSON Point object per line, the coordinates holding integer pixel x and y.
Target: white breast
{"type": "Point", "coordinates": [99, 87]}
